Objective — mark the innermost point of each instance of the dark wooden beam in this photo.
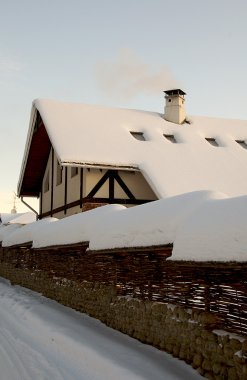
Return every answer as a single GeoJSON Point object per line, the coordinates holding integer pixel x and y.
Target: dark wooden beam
{"type": "Point", "coordinates": [65, 189]}
{"type": "Point", "coordinates": [41, 200]}
{"type": "Point", "coordinates": [99, 184]}
{"type": "Point", "coordinates": [111, 183]}
{"type": "Point", "coordinates": [52, 178]}
{"type": "Point", "coordinates": [81, 186]}
{"type": "Point", "coordinates": [123, 186]}
{"type": "Point", "coordinates": [97, 200]}
{"type": "Point", "coordinates": [117, 200]}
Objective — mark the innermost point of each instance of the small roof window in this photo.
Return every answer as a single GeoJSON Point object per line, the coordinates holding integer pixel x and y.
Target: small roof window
{"type": "Point", "coordinates": [242, 143]}
{"type": "Point", "coordinates": [138, 136]}
{"type": "Point", "coordinates": [212, 141]}
{"type": "Point", "coordinates": [170, 137]}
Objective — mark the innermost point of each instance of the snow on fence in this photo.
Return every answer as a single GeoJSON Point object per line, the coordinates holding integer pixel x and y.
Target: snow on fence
{"type": "Point", "coordinates": [216, 287]}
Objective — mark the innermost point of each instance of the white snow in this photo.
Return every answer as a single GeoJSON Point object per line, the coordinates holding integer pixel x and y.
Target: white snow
{"type": "Point", "coordinates": [26, 218]}
{"type": "Point", "coordinates": [76, 228]}
{"type": "Point", "coordinates": [25, 234]}
{"type": "Point", "coordinates": [6, 218]}
{"type": "Point", "coordinates": [6, 230]}
{"type": "Point", "coordinates": [114, 226]}
{"type": "Point", "coordinates": [42, 340]}
{"type": "Point", "coordinates": [229, 334]}
{"type": "Point", "coordinates": [96, 135]}
{"type": "Point", "coordinates": [154, 223]}
{"type": "Point", "coordinates": [202, 226]}
{"type": "Point", "coordinates": [216, 231]}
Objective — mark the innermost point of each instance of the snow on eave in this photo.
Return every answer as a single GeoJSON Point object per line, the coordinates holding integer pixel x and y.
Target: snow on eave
{"type": "Point", "coordinates": [99, 165]}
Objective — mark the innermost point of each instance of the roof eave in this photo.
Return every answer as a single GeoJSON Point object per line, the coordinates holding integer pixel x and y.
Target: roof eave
{"type": "Point", "coordinates": [100, 166]}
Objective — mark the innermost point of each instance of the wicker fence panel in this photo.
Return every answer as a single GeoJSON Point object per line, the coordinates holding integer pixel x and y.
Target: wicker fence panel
{"type": "Point", "coordinates": [219, 288]}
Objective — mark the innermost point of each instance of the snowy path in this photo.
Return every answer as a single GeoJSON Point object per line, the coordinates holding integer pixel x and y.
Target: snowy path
{"type": "Point", "coordinates": [40, 339]}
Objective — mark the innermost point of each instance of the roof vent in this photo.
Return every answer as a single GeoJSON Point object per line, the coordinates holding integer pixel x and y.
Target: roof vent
{"type": "Point", "coordinates": [174, 108]}
{"type": "Point", "coordinates": [170, 138]}
{"type": "Point", "coordinates": [138, 136]}
{"type": "Point", "coordinates": [242, 143]}
{"type": "Point", "coordinates": [212, 141]}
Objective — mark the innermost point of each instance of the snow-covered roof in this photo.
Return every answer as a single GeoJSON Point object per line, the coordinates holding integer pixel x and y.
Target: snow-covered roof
{"type": "Point", "coordinates": [99, 136]}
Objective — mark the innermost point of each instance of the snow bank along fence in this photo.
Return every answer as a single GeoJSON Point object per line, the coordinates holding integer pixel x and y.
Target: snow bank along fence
{"type": "Point", "coordinates": [176, 306]}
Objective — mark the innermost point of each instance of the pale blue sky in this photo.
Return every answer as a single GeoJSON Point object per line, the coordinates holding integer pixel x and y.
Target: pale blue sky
{"type": "Point", "coordinates": [66, 50]}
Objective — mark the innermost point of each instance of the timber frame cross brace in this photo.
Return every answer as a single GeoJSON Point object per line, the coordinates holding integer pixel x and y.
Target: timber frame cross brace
{"type": "Point", "coordinates": [112, 175]}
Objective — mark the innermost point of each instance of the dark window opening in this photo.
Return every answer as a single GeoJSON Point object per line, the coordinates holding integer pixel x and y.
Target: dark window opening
{"type": "Point", "coordinates": [242, 143]}
{"type": "Point", "coordinates": [138, 136]}
{"type": "Point", "coordinates": [211, 141]}
{"type": "Point", "coordinates": [171, 138]}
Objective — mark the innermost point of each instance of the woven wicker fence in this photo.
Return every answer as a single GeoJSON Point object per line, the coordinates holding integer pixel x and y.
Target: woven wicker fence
{"type": "Point", "coordinates": [147, 274]}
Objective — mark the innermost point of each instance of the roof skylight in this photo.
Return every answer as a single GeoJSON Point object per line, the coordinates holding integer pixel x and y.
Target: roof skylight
{"type": "Point", "coordinates": [138, 136]}
{"type": "Point", "coordinates": [242, 143]}
{"type": "Point", "coordinates": [212, 141]}
{"type": "Point", "coordinates": [170, 137]}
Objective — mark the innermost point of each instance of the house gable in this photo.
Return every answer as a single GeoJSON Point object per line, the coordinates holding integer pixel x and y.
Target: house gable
{"type": "Point", "coordinates": [36, 160]}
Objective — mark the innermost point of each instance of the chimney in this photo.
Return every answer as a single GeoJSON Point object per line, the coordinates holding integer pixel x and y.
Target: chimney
{"type": "Point", "coordinates": [174, 108]}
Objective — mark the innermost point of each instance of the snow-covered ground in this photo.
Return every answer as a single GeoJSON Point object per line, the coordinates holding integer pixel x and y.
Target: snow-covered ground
{"type": "Point", "coordinates": [41, 339]}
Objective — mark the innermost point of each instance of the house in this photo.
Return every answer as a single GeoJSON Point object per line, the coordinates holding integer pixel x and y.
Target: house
{"type": "Point", "coordinates": [78, 156]}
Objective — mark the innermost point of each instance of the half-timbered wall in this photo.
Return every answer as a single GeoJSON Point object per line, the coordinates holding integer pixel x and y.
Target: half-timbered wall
{"type": "Point", "coordinates": [66, 189]}
{"type": "Point", "coordinates": [133, 180]}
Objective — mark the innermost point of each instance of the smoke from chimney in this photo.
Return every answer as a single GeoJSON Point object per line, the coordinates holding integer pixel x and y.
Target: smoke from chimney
{"type": "Point", "coordinates": [128, 76]}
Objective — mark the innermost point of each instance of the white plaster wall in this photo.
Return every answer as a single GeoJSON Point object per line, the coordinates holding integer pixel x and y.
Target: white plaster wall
{"type": "Point", "coordinates": [73, 186]}
{"type": "Point", "coordinates": [46, 201]}
{"type": "Point", "coordinates": [175, 109]}
{"type": "Point", "coordinates": [58, 190]}
{"type": "Point", "coordinates": [92, 176]}
{"type": "Point", "coordinates": [137, 185]}
{"type": "Point", "coordinates": [73, 210]}
{"type": "Point", "coordinates": [134, 180]}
